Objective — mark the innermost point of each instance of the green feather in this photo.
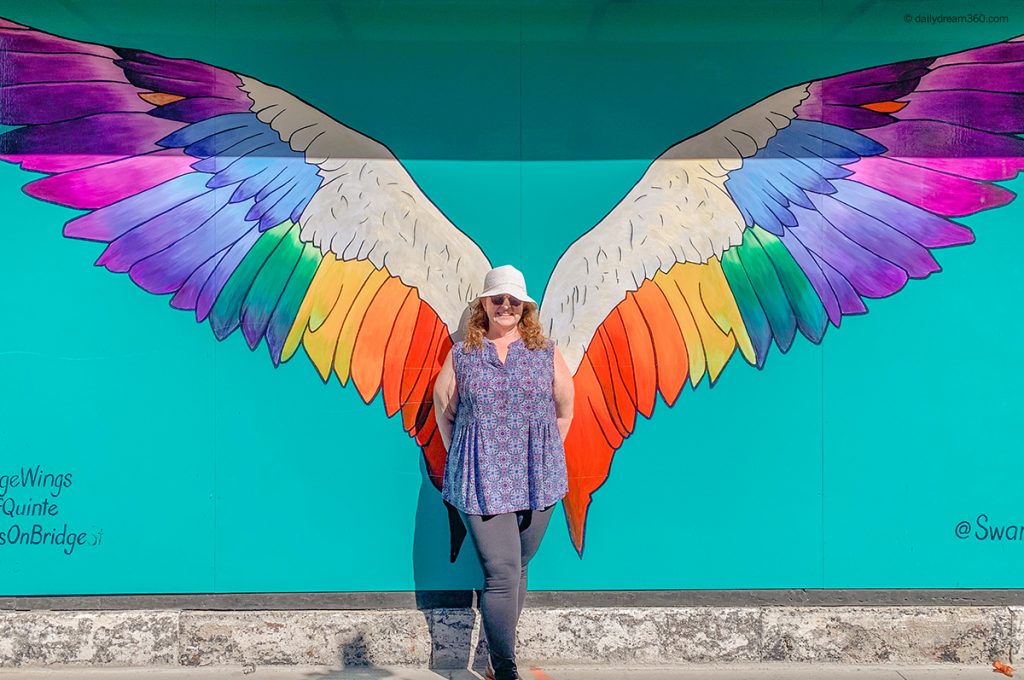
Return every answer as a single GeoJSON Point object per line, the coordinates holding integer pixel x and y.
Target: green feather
{"type": "Point", "coordinates": [226, 314]}
{"type": "Point", "coordinates": [291, 300]}
{"type": "Point", "coordinates": [268, 285]}
{"type": "Point", "coordinates": [810, 312]}
{"type": "Point", "coordinates": [746, 300]}
{"type": "Point", "coordinates": [769, 290]}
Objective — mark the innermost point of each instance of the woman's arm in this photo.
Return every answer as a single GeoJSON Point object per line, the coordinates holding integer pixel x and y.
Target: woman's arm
{"type": "Point", "coordinates": [564, 394]}
{"type": "Point", "coordinates": [446, 399]}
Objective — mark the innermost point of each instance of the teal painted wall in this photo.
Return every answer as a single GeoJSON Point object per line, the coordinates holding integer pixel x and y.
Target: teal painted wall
{"type": "Point", "coordinates": [844, 465]}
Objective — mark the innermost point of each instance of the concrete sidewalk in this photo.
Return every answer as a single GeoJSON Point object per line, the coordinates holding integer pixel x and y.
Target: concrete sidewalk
{"type": "Point", "coordinates": [729, 672]}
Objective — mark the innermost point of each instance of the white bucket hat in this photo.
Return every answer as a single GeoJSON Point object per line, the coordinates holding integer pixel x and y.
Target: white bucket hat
{"type": "Point", "coordinates": [505, 279]}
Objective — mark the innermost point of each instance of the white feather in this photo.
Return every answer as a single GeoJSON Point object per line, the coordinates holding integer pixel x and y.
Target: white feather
{"type": "Point", "coordinates": [369, 208]}
{"type": "Point", "coordinates": [679, 211]}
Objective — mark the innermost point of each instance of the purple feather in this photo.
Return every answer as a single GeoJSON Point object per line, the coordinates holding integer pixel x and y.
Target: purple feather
{"type": "Point", "coordinates": [849, 301]}
{"type": "Point", "coordinates": [185, 88]}
{"type": "Point", "coordinates": [814, 274]}
{"type": "Point", "coordinates": [875, 75]}
{"type": "Point", "coordinates": [137, 61]}
{"type": "Point", "coordinates": [852, 117]}
{"type": "Point", "coordinates": [34, 67]}
{"type": "Point", "coordinates": [983, 155]}
{"type": "Point", "coordinates": [836, 93]}
{"type": "Point", "coordinates": [100, 185]}
{"type": "Point", "coordinates": [163, 230]}
{"type": "Point", "coordinates": [877, 236]}
{"type": "Point", "coordinates": [992, 111]}
{"type": "Point", "coordinates": [870, 275]}
{"type": "Point", "coordinates": [225, 268]}
{"type": "Point", "coordinates": [940, 193]}
{"type": "Point", "coordinates": [190, 88]}
{"type": "Point", "coordinates": [109, 223]}
{"type": "Point", "coordinates": [73, 144]}
{"type": "Point", "coordinates": [926, 228]}
{"type": "Point", "coordinates": [1006, 77]}
{"type": "Point", "coordinates": [188, 295]}
{"type": "Point", "coordinates": [989, 54]}
{"type": "Point", "coordinates": [977, 167]}
{"type": "Point", "coordinates": [200, 108]}
{"type": "Point", "coordinates": [167, 270]}
{"type": "Point", "coordinates": [20, 40]}
{"type": "Point", "coordinates": [41, 103]}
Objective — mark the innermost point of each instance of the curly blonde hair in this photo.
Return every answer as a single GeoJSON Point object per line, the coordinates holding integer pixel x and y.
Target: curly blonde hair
{"type": "Point", "coordinates": [529, 327]}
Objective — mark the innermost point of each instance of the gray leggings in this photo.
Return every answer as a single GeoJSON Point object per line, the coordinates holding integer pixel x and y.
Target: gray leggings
{"type": "Point", "coordinates": [505, 544]}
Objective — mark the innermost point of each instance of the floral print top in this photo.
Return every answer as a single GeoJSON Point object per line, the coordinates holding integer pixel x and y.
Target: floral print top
{"type": "Point", "coordinates": [506, 452]}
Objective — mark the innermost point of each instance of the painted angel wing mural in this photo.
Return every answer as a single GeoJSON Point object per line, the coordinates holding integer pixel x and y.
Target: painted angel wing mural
{"type": "Point", "coordinates": [781, 218]}
{"type": "Point", "coordinates": [248, 206]}
{"type": "Point", "coordinates": [260, 213]}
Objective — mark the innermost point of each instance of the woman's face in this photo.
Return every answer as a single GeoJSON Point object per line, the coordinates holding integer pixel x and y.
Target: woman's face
{"type": "Point", "coordinates": [505, 316]}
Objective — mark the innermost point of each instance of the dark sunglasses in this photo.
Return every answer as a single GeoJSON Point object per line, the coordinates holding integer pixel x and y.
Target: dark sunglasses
{"type": "Point", "coordinates": [498, 300]}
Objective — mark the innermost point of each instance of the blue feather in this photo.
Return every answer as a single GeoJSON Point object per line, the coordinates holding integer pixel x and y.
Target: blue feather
{"type": "Point", "coordinates": [204, 128]}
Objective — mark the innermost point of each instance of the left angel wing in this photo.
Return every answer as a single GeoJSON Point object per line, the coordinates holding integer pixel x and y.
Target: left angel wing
{"type": "Point", "coordinates": [780, 218]}
{"type": "Point", "coordinates": [248, 207]}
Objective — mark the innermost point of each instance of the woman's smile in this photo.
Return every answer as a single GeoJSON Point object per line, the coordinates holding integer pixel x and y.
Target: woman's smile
{"type": "Point", "coordinates": [505, 316]}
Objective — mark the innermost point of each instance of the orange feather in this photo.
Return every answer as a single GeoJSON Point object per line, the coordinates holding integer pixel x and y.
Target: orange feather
{"type": "Point", "coordinates": [419, 400]}
{"type": "Point", "coordinates": [590, 399]}
{"type": "Point", "coordinates": [623, 405]}
{"type": "Point", "coordinates": [669, 349]}
{"type": "Point", "coordinates": [372, 341]}
{"type": "Point", "coordinates": [603, 373]}
{"type": "Point", "coordinates": [422, 336]}
{"type": "Point", "coordinates": [159, 98]}
{"type": "Point", "coordinates": [885, 107]}
{"type": "Point", "coordinates": [617, 345]}
{"type": "Point", "coordinates": [397, 353]}
{"type": "Point", "coordinates": [588, 456]}
{"type": "Point", "coordinates": [641, 347]}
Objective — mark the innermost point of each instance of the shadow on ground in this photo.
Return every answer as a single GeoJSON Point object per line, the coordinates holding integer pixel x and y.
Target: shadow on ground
{"type": "Point", "coordinates": [444, 597]}
{"type": "Point", "coordinates": [356, 667]}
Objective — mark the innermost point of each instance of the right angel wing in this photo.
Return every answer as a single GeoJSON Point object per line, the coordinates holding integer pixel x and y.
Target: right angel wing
{"type": "Point", "coordinates": [778, 221]}
{"type": "Point", "coordinates": [250, 207]}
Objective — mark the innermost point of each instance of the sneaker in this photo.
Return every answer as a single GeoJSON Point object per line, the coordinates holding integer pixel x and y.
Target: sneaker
{"type": "Point", "coordinates": [489, 672]}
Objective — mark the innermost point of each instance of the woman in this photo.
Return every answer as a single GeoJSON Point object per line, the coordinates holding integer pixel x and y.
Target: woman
{"type": "Point", "coordinates": [503, 401]}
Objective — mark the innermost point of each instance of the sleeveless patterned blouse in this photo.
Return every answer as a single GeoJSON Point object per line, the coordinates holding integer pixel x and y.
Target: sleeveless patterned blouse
{"type": "Point", "coordinates": [506, 453]}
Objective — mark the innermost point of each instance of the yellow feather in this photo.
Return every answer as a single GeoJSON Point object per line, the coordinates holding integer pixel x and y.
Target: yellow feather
{"type": "Point", "coordinates": [354, 319]}
{"type": "Point", "coordinates": [718, 345]}
{"type": "Point", "coordinates": [721, 303]}
{"type": "Point", "coordinates": [320, 343]}
{"type": "Point", "coordinates": [325, 283]}
{"type": "Point", "coordinates": [329, 289]}
{"type": "Point", "coordinates": [694, 346]}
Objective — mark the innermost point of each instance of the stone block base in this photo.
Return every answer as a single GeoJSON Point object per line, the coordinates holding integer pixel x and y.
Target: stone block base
{"type": "Point", "coordinates": [450, 638]}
